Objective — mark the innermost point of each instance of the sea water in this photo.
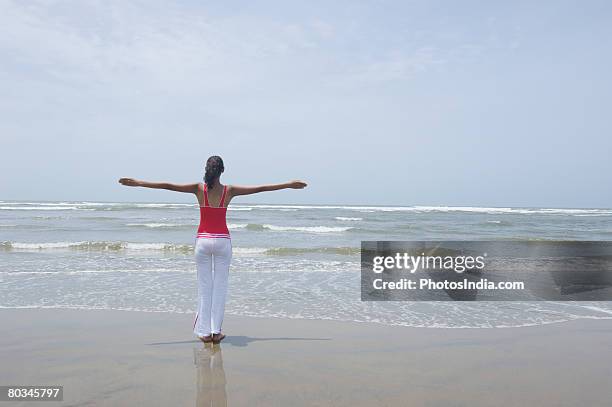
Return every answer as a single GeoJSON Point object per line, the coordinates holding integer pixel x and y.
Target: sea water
{"type": "Point", "coordinates": [289, 261]}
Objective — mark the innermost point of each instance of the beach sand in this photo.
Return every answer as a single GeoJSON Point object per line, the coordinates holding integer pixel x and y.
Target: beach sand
{"type": "Point", "coordinates": [123, 358]}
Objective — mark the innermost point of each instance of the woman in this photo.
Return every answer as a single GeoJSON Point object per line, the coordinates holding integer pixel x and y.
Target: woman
{"type": "Point", "coordinates": [213, 247]}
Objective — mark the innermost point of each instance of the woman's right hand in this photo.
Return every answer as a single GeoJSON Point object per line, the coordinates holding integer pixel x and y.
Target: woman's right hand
{"type": "Point", "coordinates": [129, 182]}
{"type": "Point", "coordinates": [297, 184]}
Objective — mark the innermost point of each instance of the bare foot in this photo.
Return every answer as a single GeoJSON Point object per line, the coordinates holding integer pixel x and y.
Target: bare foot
{"type": "Point", "coordinates": [206, 339]}
{"type": "Point", "coordinates": [216, 338]}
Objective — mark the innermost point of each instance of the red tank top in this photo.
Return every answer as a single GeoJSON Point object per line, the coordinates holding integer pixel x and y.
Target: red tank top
{"type": "Point", "coordinates": [212, 218]}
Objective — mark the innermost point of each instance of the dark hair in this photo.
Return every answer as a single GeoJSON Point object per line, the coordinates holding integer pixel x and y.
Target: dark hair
{"type": "Point", "coordinates": [213, 170]}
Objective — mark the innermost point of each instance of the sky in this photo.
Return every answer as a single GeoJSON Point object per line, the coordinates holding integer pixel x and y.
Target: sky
{"type": "Point", "coordinates": [470, 103]}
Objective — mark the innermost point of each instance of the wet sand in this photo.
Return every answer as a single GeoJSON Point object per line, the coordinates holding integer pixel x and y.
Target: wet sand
{"type": "Point", "coordinates": [122, 358]}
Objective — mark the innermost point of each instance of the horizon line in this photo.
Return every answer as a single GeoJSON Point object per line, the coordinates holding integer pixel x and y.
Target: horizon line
{"type": "Point", "coordinates": [303, 204]}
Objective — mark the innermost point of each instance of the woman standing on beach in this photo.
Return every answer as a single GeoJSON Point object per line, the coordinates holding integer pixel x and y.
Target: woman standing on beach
{"type": "Point", "coordinates": [213, 246]}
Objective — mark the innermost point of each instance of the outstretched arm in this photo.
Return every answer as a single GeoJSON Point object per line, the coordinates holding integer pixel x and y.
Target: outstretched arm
{"type": "Point", "coordinates": [236, 190]}
{"type": "Point", "coordinates": [131, 182]}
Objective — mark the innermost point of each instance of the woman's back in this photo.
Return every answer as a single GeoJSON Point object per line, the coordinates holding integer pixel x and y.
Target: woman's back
{"type": "Point", "coordinates": [213, 219]}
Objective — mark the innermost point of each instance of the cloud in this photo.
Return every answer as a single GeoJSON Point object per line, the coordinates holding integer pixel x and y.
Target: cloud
{"type": "Point", "coordinates": [399, 65]}
{"type": "Point", "coordinates": [141, 46]}
{"type": "Point", "coordinates": [159, 46]}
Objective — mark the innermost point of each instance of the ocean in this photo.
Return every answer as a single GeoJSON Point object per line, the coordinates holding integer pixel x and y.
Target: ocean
{"type": "Point", "coordinates": [289, 261]}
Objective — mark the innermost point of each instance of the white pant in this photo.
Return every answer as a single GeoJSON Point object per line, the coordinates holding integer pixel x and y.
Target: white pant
{"type": "Point", "coordinates": [213, 257]}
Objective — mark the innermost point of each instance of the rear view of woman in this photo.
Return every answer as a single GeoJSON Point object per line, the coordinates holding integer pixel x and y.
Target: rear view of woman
{"type": "Point", "coordinates": [213, 246]}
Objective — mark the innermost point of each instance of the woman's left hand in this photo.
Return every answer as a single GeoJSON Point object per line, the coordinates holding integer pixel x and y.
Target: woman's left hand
{"type": "Point", "coordinates": [129, 182]}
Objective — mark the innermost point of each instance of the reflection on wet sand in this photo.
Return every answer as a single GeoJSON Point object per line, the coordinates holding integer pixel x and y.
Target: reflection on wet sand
{"type": "Point", "coordinates": [210, 377]}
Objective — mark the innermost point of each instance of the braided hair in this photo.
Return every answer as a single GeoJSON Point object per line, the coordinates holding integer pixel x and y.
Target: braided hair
{"type": "Point", "coordinates": [213, 170]}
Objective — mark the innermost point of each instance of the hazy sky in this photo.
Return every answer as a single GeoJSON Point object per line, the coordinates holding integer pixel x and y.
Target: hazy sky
{"type": "Point", "coordinates": [406, 103]}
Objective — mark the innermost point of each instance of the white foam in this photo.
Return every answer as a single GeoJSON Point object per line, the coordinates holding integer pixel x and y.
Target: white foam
{"type": "Point", "coordinates": [43, 208]}
{"type": "Point", "coordinates": [48, 245]}
{"type": "Point", "coordinates": [474, 209]}
{"type": "Point", "coordinates": [598, 309]}
{"type": "Point", "coordinates": [158, 225]}
{"type": "Point", "coordinates": [148, 246]}
{"type": "Point", "coordinates": [236, 225]}
{"type": "Point", "coordinates": [135, 204]}
{"type": "Point", "coordinates": [76, 272]}
{"type": "Point", "coordinates": [248, 250]}
{"type": "Point", "coordinates": [42, 203]}
{"type": "Point", "coordinates": [522, 211]}
{"type": "Point", "coordinates": [347, 218]}
{"type": "Point", "coordinates": [162, 205]}
{"type": "Point", "coordinates": [83, 205]}
{"type": "Point", "coordinates": [102, 245]}
{"type": "Point", "coordinates": [309, 229]}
